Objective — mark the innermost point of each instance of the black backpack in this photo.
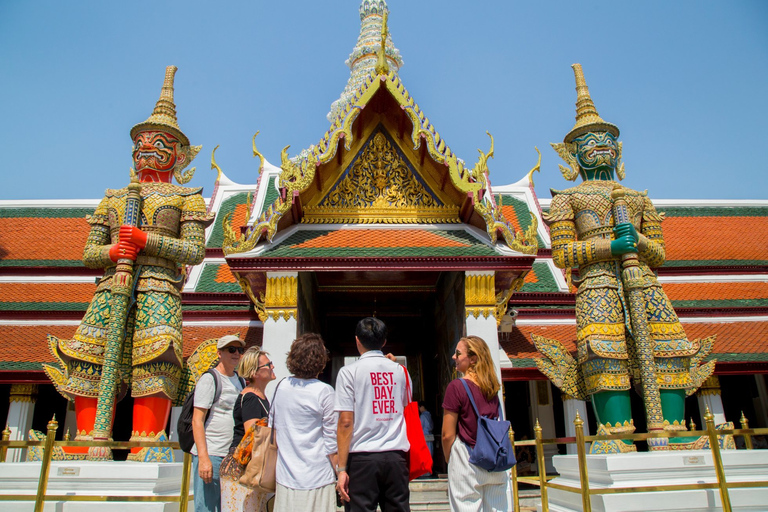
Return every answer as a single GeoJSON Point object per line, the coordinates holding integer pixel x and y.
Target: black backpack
{"type": "Point", "coordinates": [184, 424]}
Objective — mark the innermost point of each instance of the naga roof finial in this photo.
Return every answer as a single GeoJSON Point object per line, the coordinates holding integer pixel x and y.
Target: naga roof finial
{"type": "Point", "coordinates": [382, 68]}
{"type": "Point", "coordinates": [587, 118]}
{"type": "Point", "coordinates": [163, 117]}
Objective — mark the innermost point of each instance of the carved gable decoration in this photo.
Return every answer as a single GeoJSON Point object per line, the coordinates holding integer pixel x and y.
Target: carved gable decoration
{"type": "Point", "coordinates": [380, 186]}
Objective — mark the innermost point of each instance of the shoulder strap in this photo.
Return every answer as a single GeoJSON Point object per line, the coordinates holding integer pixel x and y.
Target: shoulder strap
{"type": "Point", "coordinates": [272, 411]}
{"type": "Point", "coordinates": [469, 394]}
{"type": "Point", "coordinates": [216, 386]}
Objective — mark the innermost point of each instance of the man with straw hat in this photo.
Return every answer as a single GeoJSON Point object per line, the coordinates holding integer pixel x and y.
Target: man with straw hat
{"type": "Point", "coordinates": [627, 330]}
{"type": "Point", "coordinates": [135, 341]}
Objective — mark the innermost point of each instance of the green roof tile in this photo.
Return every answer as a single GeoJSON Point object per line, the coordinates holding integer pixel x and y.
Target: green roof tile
{"type": "Point", "coordinates": [207, 282]}
{"type": "Point", "coordinates": [545, 281]}
{"type": "Point", "coordinates": [227, 206]}
{"type": "Point", "coordinates": [46, 212]}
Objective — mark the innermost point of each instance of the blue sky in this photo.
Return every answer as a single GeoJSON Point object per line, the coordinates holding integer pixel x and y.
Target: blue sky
{"type": "Point", "coordinates": [685, 81]}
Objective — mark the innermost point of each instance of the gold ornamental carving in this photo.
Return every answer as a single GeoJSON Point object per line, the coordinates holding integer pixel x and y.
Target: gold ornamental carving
{"type": "Point", "coordinates": [258, 304]}
{"type": "Point", "coordinates": [380, 187]}
{"type": "Point", "coordinates": [281, 299]}
{"type": "Point", "coordinates": [23, 393]}
{"type": "Point", "coordinates": [502, 299]}
{"type": "Point", "coordinates": [479, 295]}
{"type": "Point", "coordinates": [711, 386]}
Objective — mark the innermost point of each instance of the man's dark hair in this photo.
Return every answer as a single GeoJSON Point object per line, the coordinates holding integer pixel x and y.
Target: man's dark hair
{"type": "Point", "coordinates": [372, 333]}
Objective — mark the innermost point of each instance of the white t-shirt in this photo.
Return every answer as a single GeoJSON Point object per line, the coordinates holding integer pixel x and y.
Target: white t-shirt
{"type": "Point", "coordinates": [220, 425]}
{"type": "Point", "coordinates": [373, 387]}
{"type": "Point", "coordinates": [305, 422]}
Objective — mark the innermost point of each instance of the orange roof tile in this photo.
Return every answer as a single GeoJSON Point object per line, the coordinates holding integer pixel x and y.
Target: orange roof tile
{"type": "Point", "coordinates": [380, 238]}
{"type": "Point", "coordinates": [224, 275]}
{"type": "Point", "coordinates": [511, 215]}
{"type": "Point", "coordinates": [47, 292]}
{"type": "Point", "coordinates": [716, 291]}
{"type": "Point", "coordinates": [716, 238]}
{"type": "Point", "coordinates": [25, 238]}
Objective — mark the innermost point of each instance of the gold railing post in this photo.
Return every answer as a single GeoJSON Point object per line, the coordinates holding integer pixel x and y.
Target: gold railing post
{"type": "Point", "coordinates": [513, 473]}
{"type": "Point", "coordinates": [542, 467]}
{"type": "Point", "coordinates": [45, 465]}
{"type": "Point", "coordinates": [184, 492]}
{"type": "Point", "coordinates": [745, 426]}
{"type": "Point", "coordinates": [714, 445]}
{"type": "Point", "coordinates": [6, 437]}
{"type": "Point", "coordinates": [581, 451]}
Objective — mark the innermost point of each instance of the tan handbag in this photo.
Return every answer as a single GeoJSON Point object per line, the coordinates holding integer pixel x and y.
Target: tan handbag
{"type": "Point", "coordinates": [260, 471]}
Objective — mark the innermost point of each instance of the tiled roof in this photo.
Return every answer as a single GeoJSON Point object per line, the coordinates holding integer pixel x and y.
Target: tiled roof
{"type": "Point", "coordinates": [736, 341]}
{"type": "Point", "coordinates": [43, 236]}
{"type": "Point", "coordinates": [517, 213]}
{"type": "Point", "coordinates": [46, 296]}
{"type": "Point", "coordinates": [26, 346]}
{"type": "Point", "coordinates": [540, 279]}
{"type": "Point", "coordinates": [216, 277]}
{"type": "Point", "coordinates": [716, 236]}
{"type": "Point", "coordinates": [373, 242]}
{"type": "Point", "coordinates": [236, 205]}
{"type": "Point", "coordinates": [718, 294]}
{"type": "Point", "coordinates": [270, 195]}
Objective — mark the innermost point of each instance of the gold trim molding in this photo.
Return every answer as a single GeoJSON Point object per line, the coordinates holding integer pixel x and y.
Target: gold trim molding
{"type": "Point", "coordinates": [479, 295]}
{"type": "Point", "coordinates": [23, 393]}
{"type": "Point", "coordinates": [281, 299]}
{"type": "Point", "coordinates": [711, 386]}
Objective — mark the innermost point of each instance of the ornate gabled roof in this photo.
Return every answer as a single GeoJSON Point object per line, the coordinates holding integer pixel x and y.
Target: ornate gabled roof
{"type": "Point", "coordinates": [298, 173]}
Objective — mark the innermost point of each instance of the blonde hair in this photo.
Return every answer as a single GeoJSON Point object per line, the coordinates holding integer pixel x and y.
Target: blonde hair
{"type": "Point", "coordinates": [483, 370]}
{"type": "Point", "coordinates": [250, 362]}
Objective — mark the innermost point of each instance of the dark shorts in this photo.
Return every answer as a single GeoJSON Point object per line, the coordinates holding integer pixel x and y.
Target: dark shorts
{"type": "Point", "coordinates": [378, 478]}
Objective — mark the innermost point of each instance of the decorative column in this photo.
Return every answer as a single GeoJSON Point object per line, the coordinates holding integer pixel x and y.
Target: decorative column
{"type": "Point", "coordinates": [571, 407]}
{"type": "Point", "coordinates": [540, 394]}
{"type": "Point", "coordinates": [709, 396]}
{"type": "Point", "coordinates": [480, 307]}
{"type": "Point", "coordinates": [280, 323]}
{"type": "Point", "coordinates": [20, 410]}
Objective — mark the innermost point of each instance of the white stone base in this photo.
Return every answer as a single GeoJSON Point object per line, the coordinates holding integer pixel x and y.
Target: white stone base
{"type": "Point", "coordinates": [662, 468]}
{"type": "Point", "coordinates": [93, 479]}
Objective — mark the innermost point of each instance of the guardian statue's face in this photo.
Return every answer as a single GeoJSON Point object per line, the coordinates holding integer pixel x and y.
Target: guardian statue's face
{"type": "Point", "coordinates": [155, 154]}
{"type": "Point", "coordinates": [597, 154]}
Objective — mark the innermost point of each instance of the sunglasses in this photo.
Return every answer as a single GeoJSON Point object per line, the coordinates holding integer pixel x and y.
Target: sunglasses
{"type": "Point", "coordinates": [268, 364]}
{"type": "Point", "coordinates": [232, 350]}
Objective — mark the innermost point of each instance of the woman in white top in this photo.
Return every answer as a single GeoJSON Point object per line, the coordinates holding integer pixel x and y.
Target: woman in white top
{"type": "Point", "coordinates": [305, 422]}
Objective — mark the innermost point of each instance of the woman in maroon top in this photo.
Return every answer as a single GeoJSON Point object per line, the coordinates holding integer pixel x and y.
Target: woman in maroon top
{"type": "Point", "coordinates": [471, 488]}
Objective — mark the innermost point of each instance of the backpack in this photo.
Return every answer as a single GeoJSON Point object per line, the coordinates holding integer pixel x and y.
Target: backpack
{"type": "Point", "coordinates": [493, 449]}
{"type": "Point", "coordinates": [184, 424]}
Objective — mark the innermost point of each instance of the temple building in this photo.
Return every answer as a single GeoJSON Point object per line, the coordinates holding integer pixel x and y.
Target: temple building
{"type": "Point", "coordinates": [380, 218]}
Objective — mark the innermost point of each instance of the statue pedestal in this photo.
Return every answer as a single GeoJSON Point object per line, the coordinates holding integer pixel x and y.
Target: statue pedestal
{"type": "Point", "coordinates": [662, 468]}
{"type": "Point", "coordinates": [92, 479]}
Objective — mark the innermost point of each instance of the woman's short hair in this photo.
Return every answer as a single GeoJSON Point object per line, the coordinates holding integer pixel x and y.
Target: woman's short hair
{"type": "Point", "coordinates": [308, 356]}
{"type": "Point", "coordinates": [249, 362]}
{"type": "Point", "coordinates": [484, 369]}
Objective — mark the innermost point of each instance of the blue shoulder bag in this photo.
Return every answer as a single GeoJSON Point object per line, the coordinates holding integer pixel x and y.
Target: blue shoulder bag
{"type": "Point", "coordinates": [493, 449]}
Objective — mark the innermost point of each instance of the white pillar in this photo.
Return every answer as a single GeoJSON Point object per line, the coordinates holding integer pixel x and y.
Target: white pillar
{"type": "Point", "coordinates": [542, 410]}
{"type": "Point", "coordinates": [571, 406]}
{"type": "Point", "coordinates": [173, 434]}
{"type": "Point", "coordinates": [280, 325]}
{"type": "Point", "coordinates": [709, 397]}
{"type": "Point", "coordinates": [20, 411]}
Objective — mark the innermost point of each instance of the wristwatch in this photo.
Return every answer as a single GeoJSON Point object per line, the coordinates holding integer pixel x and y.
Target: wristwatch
{"type": "Point", "coordinates": [339, 469]}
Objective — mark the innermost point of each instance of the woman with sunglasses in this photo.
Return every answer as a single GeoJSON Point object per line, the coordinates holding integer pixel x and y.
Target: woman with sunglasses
{"type": "Point", "coordinates": [471, 488]}
{"type": "Point", "coordinates": [251, 406]}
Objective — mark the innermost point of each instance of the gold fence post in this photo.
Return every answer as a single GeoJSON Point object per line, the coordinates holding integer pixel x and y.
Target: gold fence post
{"type": "Point", "coordinates": [714, 445]}
{"type": "Point", "coordinates": [581, 451]}
{"type": "Point", "coordinates": [184, 492]}
{"type": "Point", "coordinates": [747, 437]}
{"type": "Point", "coordinates": [513, 473]}
{"type": "Point", "coordinates": [6, 437]}
{"type": "Point", "coordinates": [45, 466]}
{"type": "Point", "coordinates": [542, 467]}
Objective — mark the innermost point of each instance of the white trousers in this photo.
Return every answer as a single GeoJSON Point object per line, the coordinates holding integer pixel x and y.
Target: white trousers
{"type": "Point", "coordinates": [322, 499]}
{"type": "Point", "coordinates": [473, 489]}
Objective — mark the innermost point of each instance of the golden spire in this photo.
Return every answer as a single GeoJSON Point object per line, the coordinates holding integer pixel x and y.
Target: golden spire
{"type": "Point", "coordinates": [163, 117]}
{"type": "Point", "coordinates": [587, 118]}
{"type": "Point", "coordinates": [382, 68]}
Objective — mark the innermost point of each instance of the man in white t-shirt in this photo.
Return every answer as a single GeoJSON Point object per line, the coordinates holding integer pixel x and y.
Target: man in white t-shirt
{"type": "Point", "coordinates": [371, 435]}
{"type": "Point", "coordinates": [214, 435]}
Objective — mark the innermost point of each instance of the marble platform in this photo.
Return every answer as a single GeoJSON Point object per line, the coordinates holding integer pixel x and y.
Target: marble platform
{"type": "Point", "coordinates": [662, 468]}
{"type": "Point", "coordinates": [93, 479]}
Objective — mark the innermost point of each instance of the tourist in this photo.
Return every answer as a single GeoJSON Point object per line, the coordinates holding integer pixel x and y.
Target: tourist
{"type": "Point", "coordinates": [305, 422]}
{"type": "Point", "coordinates": [251, 406]}
{"type": "Point", "coordinates": [471, 488]}
{"type": "Point", "coordinates": [426, 426]}
{"type": "Point", "coordinates": [372, 439]}
{"type": "Point", "coordinates": [214, 434]}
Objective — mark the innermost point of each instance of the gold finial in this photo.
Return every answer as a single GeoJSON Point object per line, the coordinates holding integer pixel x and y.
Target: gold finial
{"type": "Point", "coordinates": [693, 424]}
{"type": "Point", "coordinates": [214, 165]}
{"type": "Point", "coordinates": [164, 115]}
{"type": "Point", "coordinates": [382, 67]}
{"type": "Point", "coordinates": [743, 420]}
{"type": "Point", "coordinates": [587, 118]}
{"type": "Point", "coordinates": [536, 168]}
{"type": "Point", "coordinates": [257, 154]}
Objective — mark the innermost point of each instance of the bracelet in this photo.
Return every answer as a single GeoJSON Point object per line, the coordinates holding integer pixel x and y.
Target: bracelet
{"type": "Point", "coordinates": [339, 469]}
